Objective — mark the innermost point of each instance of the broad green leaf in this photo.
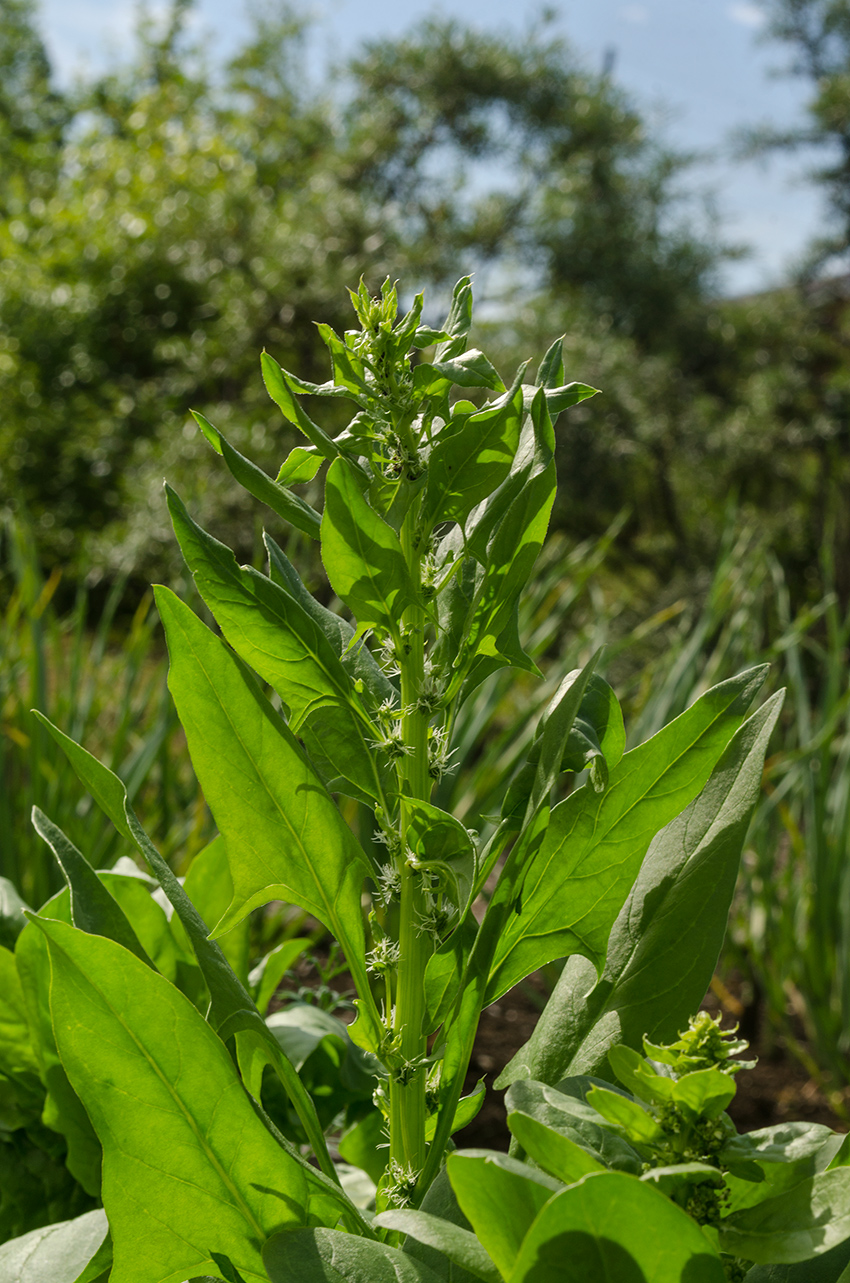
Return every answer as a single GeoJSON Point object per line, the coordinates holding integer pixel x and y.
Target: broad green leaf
{"type": "Point", "coordinates": [466, 1109]}
{"type": "Point", "coordinates": [281, 501]}
{"type": "Point", "coordinates": [782, 1143]}
{"type": "Point", "coordinates": [665, 943]}
{"type": "Point", "coordinates": [704, 1094]}
{"type": "Point", "coordinates": [806, 1221]}
{"type": "Point", "coordinates": [470, 461]}
{"type": "Point", "coordinates": [280, 391]}
{"type": "Point", "coordinates": [362, 554]}
{"type": "Point", "coordinates": [92, 907]}
{"type": "Point", "coordinates": [327, 1256]}
{"type": "Point", "coordinates": [285, 837]}
{"type": "Point", "coordinates": [470, 369]}
{"type": "Point", "coordinates": [167, 1103]}
{"type": "Point", "coordinates": [677, 1177]}
{"type": "Point", "coordinates": [554, 1151]}
{"type": "Point", "coordinates": [579, 879]}
{"type": "Point", "coordinates": [831, 1267]}
{"type": "Point", "coordinates": [230, 1003]}
{"type": "Point", "coordinates": [58, 1253]}
{"type": "Point", "coordinates": [626, 1114]}
{"type": "Point", "coordinates": [501, 1198]}
{"type": "Point", "coordinates": [301, 464]}
{"type": "Point", "coordinates": [572, 1118]}
{"type": "Point", "coordinates": [459, 1246]}
{"type": "Point", "coordinates": [559, 399]}
{"type": "Point", "coordinates": [611, 1228]}
{"type": "Point", "coordinates": [270, 970]}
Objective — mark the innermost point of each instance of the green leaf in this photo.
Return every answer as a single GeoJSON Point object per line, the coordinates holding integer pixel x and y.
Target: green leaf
{"type": "Point", "coordinates": [285, 838]}
{"type": "Point", "coordinates": [805, 1221]}
{"type": "Point", "coordinates": [704, 1093]}
{"type": "Point", "coordinates": [281, 501]}
{"type": "Point", "coordinates": [441, 843]}
{"type": "Point", "coordinates": [459, 1246]}
{"type": "Point", "coordinates": [366, 1145]}
{"type": "Point", "coordinates": [92, 907]}
{"type": "Point", "coordinates": [231, 1006]}
{"type": "Point", "coordinates": [598, 737]}
{"type": "Point", "coordinates": [57, 1253]}
{"type": "Point", "coordinates": [458, 322]}
{"type": "Point", "coordinates": [580, 877]}
{"type": "Point", "coordinates": [470, 461]}
{"type": "Point", "coordinates": [572, 1118]}
{"type": "Point", "coordinates": [348, 371]}
{"type": "Point", "coordinates": [327, 1256]}
{"type": "Point", "coordinates": [612, 1228]}
{"type": "Point", "coordinates": [491, 639]}
{"type": "Point", "coordinates": [301, 464]}
{"type": "Point", "coordinates": [357, 660]}
{"type": "Point", "coordinates": [831, 1267]}
{"type": "Point", "coordinates": [269, 971]}
{"type": "Point", "coordinates": [209, 886]}
{"type": "Point", "coordinates": [166, 1102]}
{"type": "Point", "coordinates": [551, 370]}
{"type": "Point", "coordinates": [362, 554]}
{"type": "Point", "coordinates": [626, 1114]}
{"type": "Point", "coordinates": [501, 1198]}
{"type": "Point", "coordinates": [554, 1151]}
{"type": "Point", "coordinates": [469, 369]}
{"type": "Point", "coordinates": [18, 1059]}
{"type": "Point", "coordinates": [63, 1109]}
{"type": "Point", "coordinates": [664, 945]}
{"type": "Point", "coordinates": [280, 390]}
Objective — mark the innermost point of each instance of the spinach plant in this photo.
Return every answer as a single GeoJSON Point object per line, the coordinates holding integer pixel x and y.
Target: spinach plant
{"type": "Point", "coordinates": [212, 1122]}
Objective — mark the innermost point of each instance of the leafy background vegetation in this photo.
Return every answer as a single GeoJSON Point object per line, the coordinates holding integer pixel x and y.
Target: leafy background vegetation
{"type": "Point", "coordinates": [163, 224]}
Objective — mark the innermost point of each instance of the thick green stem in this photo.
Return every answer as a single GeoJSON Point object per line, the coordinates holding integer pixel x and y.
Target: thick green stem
{"type": "Point", "coordinates": [407, 1087]}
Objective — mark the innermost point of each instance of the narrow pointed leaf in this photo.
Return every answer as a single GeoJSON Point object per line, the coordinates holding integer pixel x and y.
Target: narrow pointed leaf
{"type": "Point", "coordinates": [280, 391]}
{"type": "Point", "coordinates": [285, 646]}
{"type": "Point", "coordinates": [281, 501]}
{"type": "Point", "coordinates": [92, 907]}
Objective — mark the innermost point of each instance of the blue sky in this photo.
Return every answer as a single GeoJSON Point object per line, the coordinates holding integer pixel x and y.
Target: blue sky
{"type": "Point", "coordinates": [696, 67]}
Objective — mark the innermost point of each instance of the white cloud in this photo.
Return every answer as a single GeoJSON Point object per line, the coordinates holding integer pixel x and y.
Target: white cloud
{"type": "Point", "coordinates": [748, 15]}
{"type": "Point", "coordinates": [637, 13]}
